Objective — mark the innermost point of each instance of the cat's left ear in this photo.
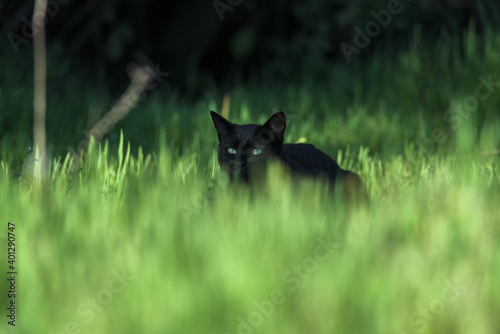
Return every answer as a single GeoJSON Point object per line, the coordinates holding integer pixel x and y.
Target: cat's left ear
{"type": "Point", "coordinates": [277, 124]}
{"type": "Point", "coordinates": [222, 125]}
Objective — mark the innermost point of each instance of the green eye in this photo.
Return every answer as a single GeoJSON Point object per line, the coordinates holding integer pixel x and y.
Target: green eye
{"type": "Point", "coordinates": [231, 150]}
{"type": "Point", "coordinates": [257, 151]}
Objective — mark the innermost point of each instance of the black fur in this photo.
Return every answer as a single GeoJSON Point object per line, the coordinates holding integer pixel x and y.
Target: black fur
{"type": "Point", "coordinates": [301, 159]}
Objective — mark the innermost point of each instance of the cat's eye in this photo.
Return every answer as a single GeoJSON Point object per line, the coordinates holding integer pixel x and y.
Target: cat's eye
{"type": "Point", "coordinates": [256, 151]}
{"type": "Point", "coordinates": [231, 150]}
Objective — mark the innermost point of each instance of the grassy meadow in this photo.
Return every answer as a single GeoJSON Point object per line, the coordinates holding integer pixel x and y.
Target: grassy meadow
{"type": "Point", "coordinates": [147, 236]}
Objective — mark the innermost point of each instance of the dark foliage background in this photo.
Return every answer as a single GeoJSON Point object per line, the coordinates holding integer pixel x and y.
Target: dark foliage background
{"type": "Point", "coordinates": [267, 55]}
{"type": "Point", "coordinates": [188, 38]}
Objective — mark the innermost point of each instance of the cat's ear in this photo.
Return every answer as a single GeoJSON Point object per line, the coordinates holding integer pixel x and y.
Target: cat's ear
{"type": "Point", "coordinates": [277, 124]}
{"type": "Point", "coordinates": [222, 125]}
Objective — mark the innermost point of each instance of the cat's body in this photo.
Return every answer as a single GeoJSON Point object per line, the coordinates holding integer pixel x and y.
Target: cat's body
{"type": "Point", "coordinates": [306, 159]}
{"type": "Point", "coordinates": [246, 150]}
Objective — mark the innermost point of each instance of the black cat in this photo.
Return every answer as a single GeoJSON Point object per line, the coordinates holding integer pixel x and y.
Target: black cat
{"type": "Point", "coordinates": [245, 151]}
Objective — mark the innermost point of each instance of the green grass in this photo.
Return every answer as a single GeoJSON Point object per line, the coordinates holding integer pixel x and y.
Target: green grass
{"type": "Point", "coordinates": [200, 259]}
{"type": "Point", "coordinates": [196, 255]}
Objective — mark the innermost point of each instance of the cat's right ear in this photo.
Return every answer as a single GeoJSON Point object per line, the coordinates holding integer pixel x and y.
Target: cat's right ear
{"type": "Point", "coordinates": [222, 125]}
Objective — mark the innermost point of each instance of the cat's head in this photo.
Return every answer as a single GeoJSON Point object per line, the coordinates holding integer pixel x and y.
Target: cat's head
{"type": "Point", "coordinates": [245, 150]}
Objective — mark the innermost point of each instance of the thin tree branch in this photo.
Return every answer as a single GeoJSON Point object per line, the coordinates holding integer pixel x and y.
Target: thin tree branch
{"type": "Point", "coordinates": [40, 69]}
{"type": "Point", "coordinates": [141, 78]}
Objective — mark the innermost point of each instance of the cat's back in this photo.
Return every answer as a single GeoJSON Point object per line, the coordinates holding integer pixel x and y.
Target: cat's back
{"type": "Point", "coordinates": [307, 159]}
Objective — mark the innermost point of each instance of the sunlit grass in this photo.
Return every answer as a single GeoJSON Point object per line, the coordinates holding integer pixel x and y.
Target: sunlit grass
{"type": "Point", "coordinates": [201, 256]}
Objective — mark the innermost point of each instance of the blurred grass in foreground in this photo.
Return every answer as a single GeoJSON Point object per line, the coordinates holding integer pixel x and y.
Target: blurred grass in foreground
{"type": "Point", "coordinates": [148, 244]}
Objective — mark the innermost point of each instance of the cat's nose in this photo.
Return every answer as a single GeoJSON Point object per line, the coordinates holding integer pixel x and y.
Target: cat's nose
{"type": "Point", "coordinates": [242, 160]}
